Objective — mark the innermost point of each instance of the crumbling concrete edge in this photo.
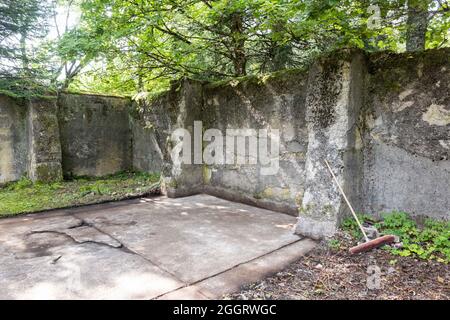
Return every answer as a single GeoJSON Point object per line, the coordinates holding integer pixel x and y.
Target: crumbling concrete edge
{"type": "Point", "coordinates": [232, 279]}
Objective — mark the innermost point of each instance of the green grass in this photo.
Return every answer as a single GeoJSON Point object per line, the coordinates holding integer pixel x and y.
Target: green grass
{"type": "Point", "coordinates": [24, 196]}
{"type": "Point", "coordinates": [430, 241]}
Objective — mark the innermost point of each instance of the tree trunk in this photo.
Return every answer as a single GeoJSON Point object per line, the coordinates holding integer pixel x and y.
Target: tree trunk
{"type": "Point", "coordinates": [417, 25]}
{"type": "Point", "coordinates": [140, 84]}
{"type": "Point", "coordinates": [239, 56]}
{"type": "Point", "coordinates": [23, 54]}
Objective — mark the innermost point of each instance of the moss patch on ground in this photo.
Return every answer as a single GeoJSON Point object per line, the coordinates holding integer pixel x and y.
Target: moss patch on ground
{"type": "Point", "coordinates": [24, 196]}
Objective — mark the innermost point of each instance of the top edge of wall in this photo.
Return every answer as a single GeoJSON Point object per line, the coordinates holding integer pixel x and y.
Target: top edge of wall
{"type": "Point", "coordinates": [344, 54]}
{"type": "Point", "coordinates": [410, 55]}
{"type": "Point", "coordinates": [95, 95]}
{"type": "Point", "coordinates": [21, 100]}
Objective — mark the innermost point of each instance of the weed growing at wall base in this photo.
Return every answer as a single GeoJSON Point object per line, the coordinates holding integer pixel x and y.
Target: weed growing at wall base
{"type": "Point", "coordinates": [430, 241]}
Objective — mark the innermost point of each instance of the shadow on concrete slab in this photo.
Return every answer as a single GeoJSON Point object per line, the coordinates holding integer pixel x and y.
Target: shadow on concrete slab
{"type": "Point", "coordinates": [197, 247]}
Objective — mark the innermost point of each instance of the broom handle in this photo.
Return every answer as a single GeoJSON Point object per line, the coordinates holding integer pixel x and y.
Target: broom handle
{"type": "Point", "coordinates": [348, 202]}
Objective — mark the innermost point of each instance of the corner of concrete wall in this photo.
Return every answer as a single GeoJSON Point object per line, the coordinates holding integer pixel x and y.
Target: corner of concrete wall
{"type": "Point", "coordinates": [271, 103]}
{"type": "Point", "coordinates": [153, 121]}
{"type": "Point", "coordinates": [334, 98]}
{"type": "Point", "coordinates": [187, 179]}
{"type": "Point", "coordinates": [146, 153]}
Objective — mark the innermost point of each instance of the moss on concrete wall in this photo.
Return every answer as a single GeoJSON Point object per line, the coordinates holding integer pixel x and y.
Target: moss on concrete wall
{"type": "Point", "coordinates": [382, 120]}
{"type": "Point", "coordinates": [407, 136]}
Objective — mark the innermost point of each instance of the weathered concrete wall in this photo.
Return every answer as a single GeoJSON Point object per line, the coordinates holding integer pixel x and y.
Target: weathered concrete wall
{"type": "Point", "coordinates": [382, 121]}
{"type": "Point", "coordinates": [407, 141]}
{"type": "Point", "coordinates": [29, 140]}
{"type": "Point", "coordinates": [154, 121]}
{"type": "Point", "coordinates": [147, 155]}
{"type": "Point", "coordinates": [74, 134]}
{"type": "Point", "coordinates": [96, 136]}
{"type": "Point", "coordinates": [13, 139]}
{"type": "Point", "coordinates": [276, 102]}
{"type": "Point", "coordinates": [333, 105]}
{"type": "Point", "coordinates": [44, 142]}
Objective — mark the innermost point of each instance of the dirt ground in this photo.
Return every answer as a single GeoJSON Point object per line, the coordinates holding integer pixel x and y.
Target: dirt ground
{"type": "Point", "coordinates": [332, 273]}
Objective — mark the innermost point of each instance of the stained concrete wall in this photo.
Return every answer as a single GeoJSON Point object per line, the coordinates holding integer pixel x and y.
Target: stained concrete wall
{"type": "Point", "coordinates": [276, 102]}
{"type": "Point", "coordinates": [407, 140]}
{"type": "Point", "coordinates": [73, 134]}
{"type": "Point", "coordinates": [382, 121]}
{"type": "Point", "coordinates": [335, 94]}
{"type": "Point", "coordinates": [154, 120]}
{"type": "Point", "coordinates": [96, 136]}
{"type": "Point", "coordinates": [44, 141]}
{"type": "Point", "coordinates": [147, 154]}
{"type": "Point", "coordinates": [13, 139]}
{"type": "Point", "coordinates": [29, 140]}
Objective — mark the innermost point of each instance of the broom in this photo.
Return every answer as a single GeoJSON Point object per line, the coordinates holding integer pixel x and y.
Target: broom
{"type": "Point", "coordinates": [368, 244]}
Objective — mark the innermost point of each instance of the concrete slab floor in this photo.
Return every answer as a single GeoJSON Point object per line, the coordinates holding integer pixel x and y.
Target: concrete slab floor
{"type": "Point", "coordinates": [198, 247]}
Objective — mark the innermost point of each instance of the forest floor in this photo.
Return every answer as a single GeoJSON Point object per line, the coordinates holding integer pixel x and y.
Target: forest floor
{"type": "Point", "coordinates": [331, 272]}
{"type": "Point", "coordinates": [25, 196]}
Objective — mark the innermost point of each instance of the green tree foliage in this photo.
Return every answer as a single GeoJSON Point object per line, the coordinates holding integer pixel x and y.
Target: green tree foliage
{"type": "Point", "coordinates": [143, 41]}
{"type": "Point", "coordinates": [23, 24]}
{"type": "Point", "coordinates": [127, 46]}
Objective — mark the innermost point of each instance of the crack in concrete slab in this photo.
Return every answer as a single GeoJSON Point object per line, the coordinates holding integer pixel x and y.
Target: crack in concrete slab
{"type": "Point", "coordinates": [73, 239]}
{"type": "Point", "coordinates": [130, 251]}
{"type": "Point", "coordinates": [186, 285]}
{"type": "Point", "coordinates": [66, 232]}
{"type": "Point", "coordinates": [81, 224]}
{"type": "Point", "coordinates": [93, 226]}
{"type": "Point", "coordinates": [121, 246]}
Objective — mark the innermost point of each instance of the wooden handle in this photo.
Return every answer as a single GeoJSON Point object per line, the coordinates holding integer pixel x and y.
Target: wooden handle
{"type": "Point", "coordinates": [378, 242]}
{"type": "Point", "coordinates": [348, 202]}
